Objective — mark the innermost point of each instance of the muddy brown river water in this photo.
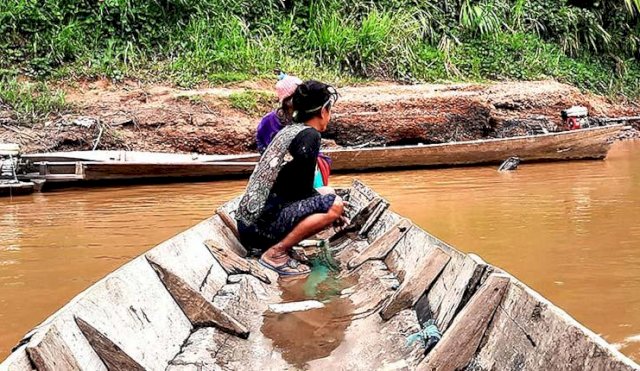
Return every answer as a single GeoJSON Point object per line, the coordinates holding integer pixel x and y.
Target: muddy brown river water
{"type": "Point", "coordinates": [569, 230]}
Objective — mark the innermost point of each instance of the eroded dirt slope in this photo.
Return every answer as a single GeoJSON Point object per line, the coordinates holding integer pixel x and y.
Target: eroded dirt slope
{"type": "Point", "coordinates": [159, 118]}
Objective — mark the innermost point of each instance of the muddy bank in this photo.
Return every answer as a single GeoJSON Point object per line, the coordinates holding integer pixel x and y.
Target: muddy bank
{"type": "Point", "coordinates": [134, 116]}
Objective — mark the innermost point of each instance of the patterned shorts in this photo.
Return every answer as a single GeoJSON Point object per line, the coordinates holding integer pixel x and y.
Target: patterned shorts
{"type": "Point", "coordinates": [275, 225]}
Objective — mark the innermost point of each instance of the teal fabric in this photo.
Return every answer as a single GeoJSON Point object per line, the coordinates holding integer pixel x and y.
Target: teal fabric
{"type": "Point", "coordinates": [317, 180]}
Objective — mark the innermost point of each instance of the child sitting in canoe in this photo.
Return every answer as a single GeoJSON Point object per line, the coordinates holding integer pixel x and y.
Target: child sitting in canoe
{"type": "Point", "coordinates": [276, 120]}
{"type": "Point", "coordinates": [280, 206]}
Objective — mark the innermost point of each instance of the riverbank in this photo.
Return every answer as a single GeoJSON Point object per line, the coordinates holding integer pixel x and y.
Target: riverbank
{"type": "Point", "coordinates": [222, 120]}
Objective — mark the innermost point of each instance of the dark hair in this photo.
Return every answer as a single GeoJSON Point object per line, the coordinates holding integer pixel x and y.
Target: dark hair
{"type": "Point", "coordinates": [309, 99]}
{"type": "Point", "coordinates": [285, 111]}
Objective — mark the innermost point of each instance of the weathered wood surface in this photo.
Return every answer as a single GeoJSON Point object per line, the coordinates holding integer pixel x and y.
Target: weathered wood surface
{"type": "Point", "coordinates": [375, 285]}
{"type": "Point", "coordinates": [386, 221]}
{"type": "Point", "coordinates": [110, 353]}
{"type": "Point", "coordinates": [18, 360]}
{"type": "Point", "coordinates": [409, 252]}
{"type": "Point", "coordinates": [132, 310]}
{"type": "Point", "coordinates": [199, 351]}
{"type": "Point", "coordinates": [131, 307]}
{"type": "Point", "coordinates": [416, 284]}
{"type": "Point", "coordinates": [459, 344]}
{"type": "Point", "coordinates": [186, 256]}
{"type": "Point", "coordinates": [122, 171]}
{"type": "Point", "coordinates": [589, 143]}
{"type": "Point", "coordinates": [458, 281]}
{"type": "Point", "coordinates": [246, 300]}
{"type": "Point", "coordinates": [199, 310]}
{"type": "Point", "coordinates": [229, 221]}
{"type": "Point", "coordinates": [49, 351]}
{"type": "Point", "coordinates": [371, 343]}
{"type": "Point", "coordinates": [373, 218]}
{"type": "Point", "coordinates": [234, 264]}
{"type": "Point", "coordinates": [530, 333]}
{"type": "Point", "coordinates": [383, 245]}
{"type": "Point", "coordinates": [577, 144]}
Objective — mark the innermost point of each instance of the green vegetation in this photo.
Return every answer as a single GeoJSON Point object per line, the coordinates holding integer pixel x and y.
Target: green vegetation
{"type": "Point", "coordinates": [251, 102]}
{"type": "Point", "coordinates": [31, 101]}
{"type": "Point", "coordinates": [594, 45]}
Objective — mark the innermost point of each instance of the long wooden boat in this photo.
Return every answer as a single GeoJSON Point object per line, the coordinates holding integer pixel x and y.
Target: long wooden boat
{"type": "Point", "coordinates": [195, 302]}
{"type": "Point", "coordinates": [592, 143]}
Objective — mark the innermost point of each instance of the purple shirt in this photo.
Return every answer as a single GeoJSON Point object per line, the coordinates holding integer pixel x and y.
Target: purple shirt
{"type": "Point", "coordinates": [268, 127]}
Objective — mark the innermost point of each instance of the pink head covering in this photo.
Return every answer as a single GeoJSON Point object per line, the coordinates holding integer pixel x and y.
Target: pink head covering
{"type": "Point", "coordinates": [286, 87]}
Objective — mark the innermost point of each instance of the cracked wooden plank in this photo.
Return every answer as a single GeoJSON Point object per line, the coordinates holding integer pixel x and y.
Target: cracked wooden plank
{"type": "Point", "coordinates": [415, 284]}
{"type": "Point", "coordinates": [460, 343]}
{"type": "Point", "coordinates": [408, 252]}
{"type": "Point", "coordinates": [50, 352]}
{"type": "Point", "coordinates": [530, 333]}
{"type": "Point", "coordinates": [186, 256]}
{"type": "Point", "coordinates": [234, 264]}
{"type": "Point", "coordinates": [457, 283]}
{"type": "Point", "coordinates": [373, 218]}
{"type": "Point", "coordinates": [200, 312]}
{"type": "Point", "coordinates": [200, 351]}
{"type": "Point", "coordinates": [381, 247]}
{"type": "Point", "coordinates": [110, 353]}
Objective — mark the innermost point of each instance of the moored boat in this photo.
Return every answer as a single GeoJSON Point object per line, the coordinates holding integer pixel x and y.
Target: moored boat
{"type": "Point", "coordinates": [197, 302]}
{"type": "Point", "coordinates": [70, 167]}
{"type": "Point", "coordinates": [9, 183]}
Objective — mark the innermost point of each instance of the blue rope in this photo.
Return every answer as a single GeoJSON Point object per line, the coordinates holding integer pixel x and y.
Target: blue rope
{"type": "Point", "coordinates": [428, 336]}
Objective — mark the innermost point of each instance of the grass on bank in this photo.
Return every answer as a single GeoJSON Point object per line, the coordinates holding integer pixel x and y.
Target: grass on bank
{"type": "Point", "coordinates": [251, 102]}
{"type": "Point", "coordinates": [188, 43]}
{"type": "Point", "coordinates": [31, 102]}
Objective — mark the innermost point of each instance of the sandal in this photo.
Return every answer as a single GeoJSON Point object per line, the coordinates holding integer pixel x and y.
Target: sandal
{"type": "Point", "coordinates": [290, 263]}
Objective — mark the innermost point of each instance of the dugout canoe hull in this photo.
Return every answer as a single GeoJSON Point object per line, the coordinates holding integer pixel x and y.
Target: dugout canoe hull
{"type": "Point", "coordinates": [62, 167]}
{"type": "Point", "coordinates": [193, 302]}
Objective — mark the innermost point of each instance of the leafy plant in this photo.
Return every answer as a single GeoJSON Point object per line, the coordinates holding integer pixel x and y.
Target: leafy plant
{"type": "Point", "coordinates": [251, 102]}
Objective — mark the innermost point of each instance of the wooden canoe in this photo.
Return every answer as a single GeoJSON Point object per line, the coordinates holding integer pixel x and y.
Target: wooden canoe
{"type": "Point", "coordinates": [592, 143]}
{"type": "Point", "coordinates": [195, 303]}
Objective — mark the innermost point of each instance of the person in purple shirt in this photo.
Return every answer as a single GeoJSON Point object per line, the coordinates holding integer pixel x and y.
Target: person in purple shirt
{"type": "Point", "coordinates": [274, 121]}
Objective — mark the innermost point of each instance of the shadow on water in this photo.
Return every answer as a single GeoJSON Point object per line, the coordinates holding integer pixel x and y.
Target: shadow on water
{"type": "Point", "coordinates": [304, 336]}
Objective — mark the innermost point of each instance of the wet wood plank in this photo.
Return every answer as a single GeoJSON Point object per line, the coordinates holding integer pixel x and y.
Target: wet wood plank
{"type": "Point", "coordinates": [415, 284]}
{"type": "Point", "coordinates": [381, 247]}
{"type": "Point", "coordinates": [110, 353]}
{"type": "Point", "coordinates": [200, 312]}
{"type": "Point", "coordinates": [460, 343]}
{"type": "Point", "coordinates": [375, 285]}
{"type": "Point", "coordinates": [530, 333]}
{"type": "Point", "coordinates": [234, 264]}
